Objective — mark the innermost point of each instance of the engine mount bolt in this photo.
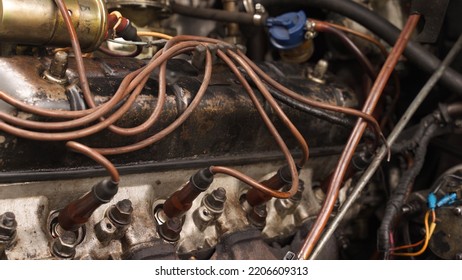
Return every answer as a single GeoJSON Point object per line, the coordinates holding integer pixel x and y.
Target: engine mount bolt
{"type": "Point", "coordinates": [64, 245]}
{"type": "Point", "coordinates": [171, 229]}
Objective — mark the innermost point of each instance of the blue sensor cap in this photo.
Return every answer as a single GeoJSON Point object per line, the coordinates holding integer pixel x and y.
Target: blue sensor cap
{"type": "Point", "coordinates": [287, 31]}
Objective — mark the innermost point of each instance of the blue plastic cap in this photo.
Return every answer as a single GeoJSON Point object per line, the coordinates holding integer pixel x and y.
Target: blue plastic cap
{"type": "Point", "coordinates": [287, 31]}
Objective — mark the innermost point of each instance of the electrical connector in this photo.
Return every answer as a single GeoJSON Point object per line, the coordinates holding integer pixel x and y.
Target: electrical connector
{"type": "Point", "coordinates": [431, 201]}
{"type": "Point", "coordinates": [447, 200]}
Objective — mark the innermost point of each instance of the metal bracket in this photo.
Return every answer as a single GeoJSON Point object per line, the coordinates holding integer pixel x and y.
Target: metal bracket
{"type": "Point", "coordinates": [433, 12]}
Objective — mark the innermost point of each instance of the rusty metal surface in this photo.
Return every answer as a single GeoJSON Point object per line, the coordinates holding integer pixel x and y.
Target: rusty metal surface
{"type": "Point", "coordinates": [226, 120]}
{"type": "Point", "coordinates": [447, 239]}
{"type": "Point", "coordinates": [141, 239]}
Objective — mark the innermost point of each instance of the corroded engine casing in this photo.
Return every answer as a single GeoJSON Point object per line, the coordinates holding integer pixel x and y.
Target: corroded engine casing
{"type": "Point", "coordinates": [225, 128]}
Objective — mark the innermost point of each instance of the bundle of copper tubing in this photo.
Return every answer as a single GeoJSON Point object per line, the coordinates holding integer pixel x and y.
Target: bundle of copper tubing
{"type": "Point", "coordinates": [79, 124]}
{"type": "Point", "coordinates": [353, 141]}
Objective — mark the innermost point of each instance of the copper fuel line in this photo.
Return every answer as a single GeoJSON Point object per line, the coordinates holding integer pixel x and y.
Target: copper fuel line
{"type": "Point", "coordinates": [368, 108]}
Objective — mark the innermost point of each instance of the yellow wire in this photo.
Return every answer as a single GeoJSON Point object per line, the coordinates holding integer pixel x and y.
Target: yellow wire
{"type": "Point", "coordinates": [155, 34]}
{"type": "Point", "coordinates": [428, 234]}
{"type": "Point", "coordinates": [408, 246]}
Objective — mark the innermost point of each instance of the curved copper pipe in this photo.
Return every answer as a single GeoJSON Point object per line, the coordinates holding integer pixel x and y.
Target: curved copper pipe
{"type": "Point", "coordinates": [269, 124]}
{"type": "Point", "coordinates": [270, 99]}
{"type": "Point", "coordinates": [78, 53]}
{"type": "Point", "coordinates": [384, 52]}
{"type": "Point", "coordinates": [371, 102]}
{"type": "Point", "coordinates": [139, 78]}
{"type": "Point", "coordinates": [308, 101]}
{"type": "Point", "coordinates": [356, 33]}
{"type": "Point", "coordinates": [91, 153]}
{"type": "Point", "coordinates": [175, 124]}
{"type": "Point", "coordinates": [360, 56]}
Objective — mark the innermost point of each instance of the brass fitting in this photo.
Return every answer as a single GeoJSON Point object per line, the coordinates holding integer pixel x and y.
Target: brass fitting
{"type": "Point", "coordinates": [40, 23]}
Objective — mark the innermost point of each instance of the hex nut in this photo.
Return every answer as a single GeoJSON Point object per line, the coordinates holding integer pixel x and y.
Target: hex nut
{"type": "Point", "coordinates": [121, 212]}
{"type": "Point", "coordinates": [64, 245]}
{"type": "Point", "coordinates": [215, 201]}
{"type": "Point", "coordinates": [8, 226]}
{"type": "Point", "coordinates": [257, 216]}
{"type": "Point", "coordinates": [171, 229]}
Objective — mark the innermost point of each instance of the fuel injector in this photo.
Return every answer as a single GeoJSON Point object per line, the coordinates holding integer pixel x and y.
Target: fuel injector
{"type": "Point", "coordinates": [282, 178]}
{"type": "Point", "coordinates": [77, 213]}
{"type": "Point", "coordinates": [181, 201]}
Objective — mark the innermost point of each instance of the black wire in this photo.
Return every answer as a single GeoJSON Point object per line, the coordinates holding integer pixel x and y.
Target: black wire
{"type": "Point", "coordinates": [432, 128]}
{"type": "Point", "coordinates": [75, 98]}
{"type": "Point", "coordinates": [319, 113]}
{"type": "Point", "coordinates": [330, 117]}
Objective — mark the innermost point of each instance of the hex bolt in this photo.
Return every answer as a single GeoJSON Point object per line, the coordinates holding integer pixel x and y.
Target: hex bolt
{"type": "Point", "coordinates": [319, 71]}
{"type": "Point", "coordinates": [289, 256]}
{"type": "Point", "coordinates": [257, 216]}
{"type": "Point", "coordinates": [8, 226]}
{"type": "Point", "coordinates": [121, 212]}
{"type": "Point", "coordinates": [260, 9]}
{"type": "Point", "coordinates": [8, 219]}
{"type": "Point", "coordinates": [171, 229]}
{"type": "Point", "coordinates": [57, 71]}
{"type": "Point", "coordinates": [411, 208]}
{"type": "Point", "coordinates": [64, 245]}
{"type": "Point", "coordinates": [216, 199]}
{"type": "Point", "coordinates": [58, 66]}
